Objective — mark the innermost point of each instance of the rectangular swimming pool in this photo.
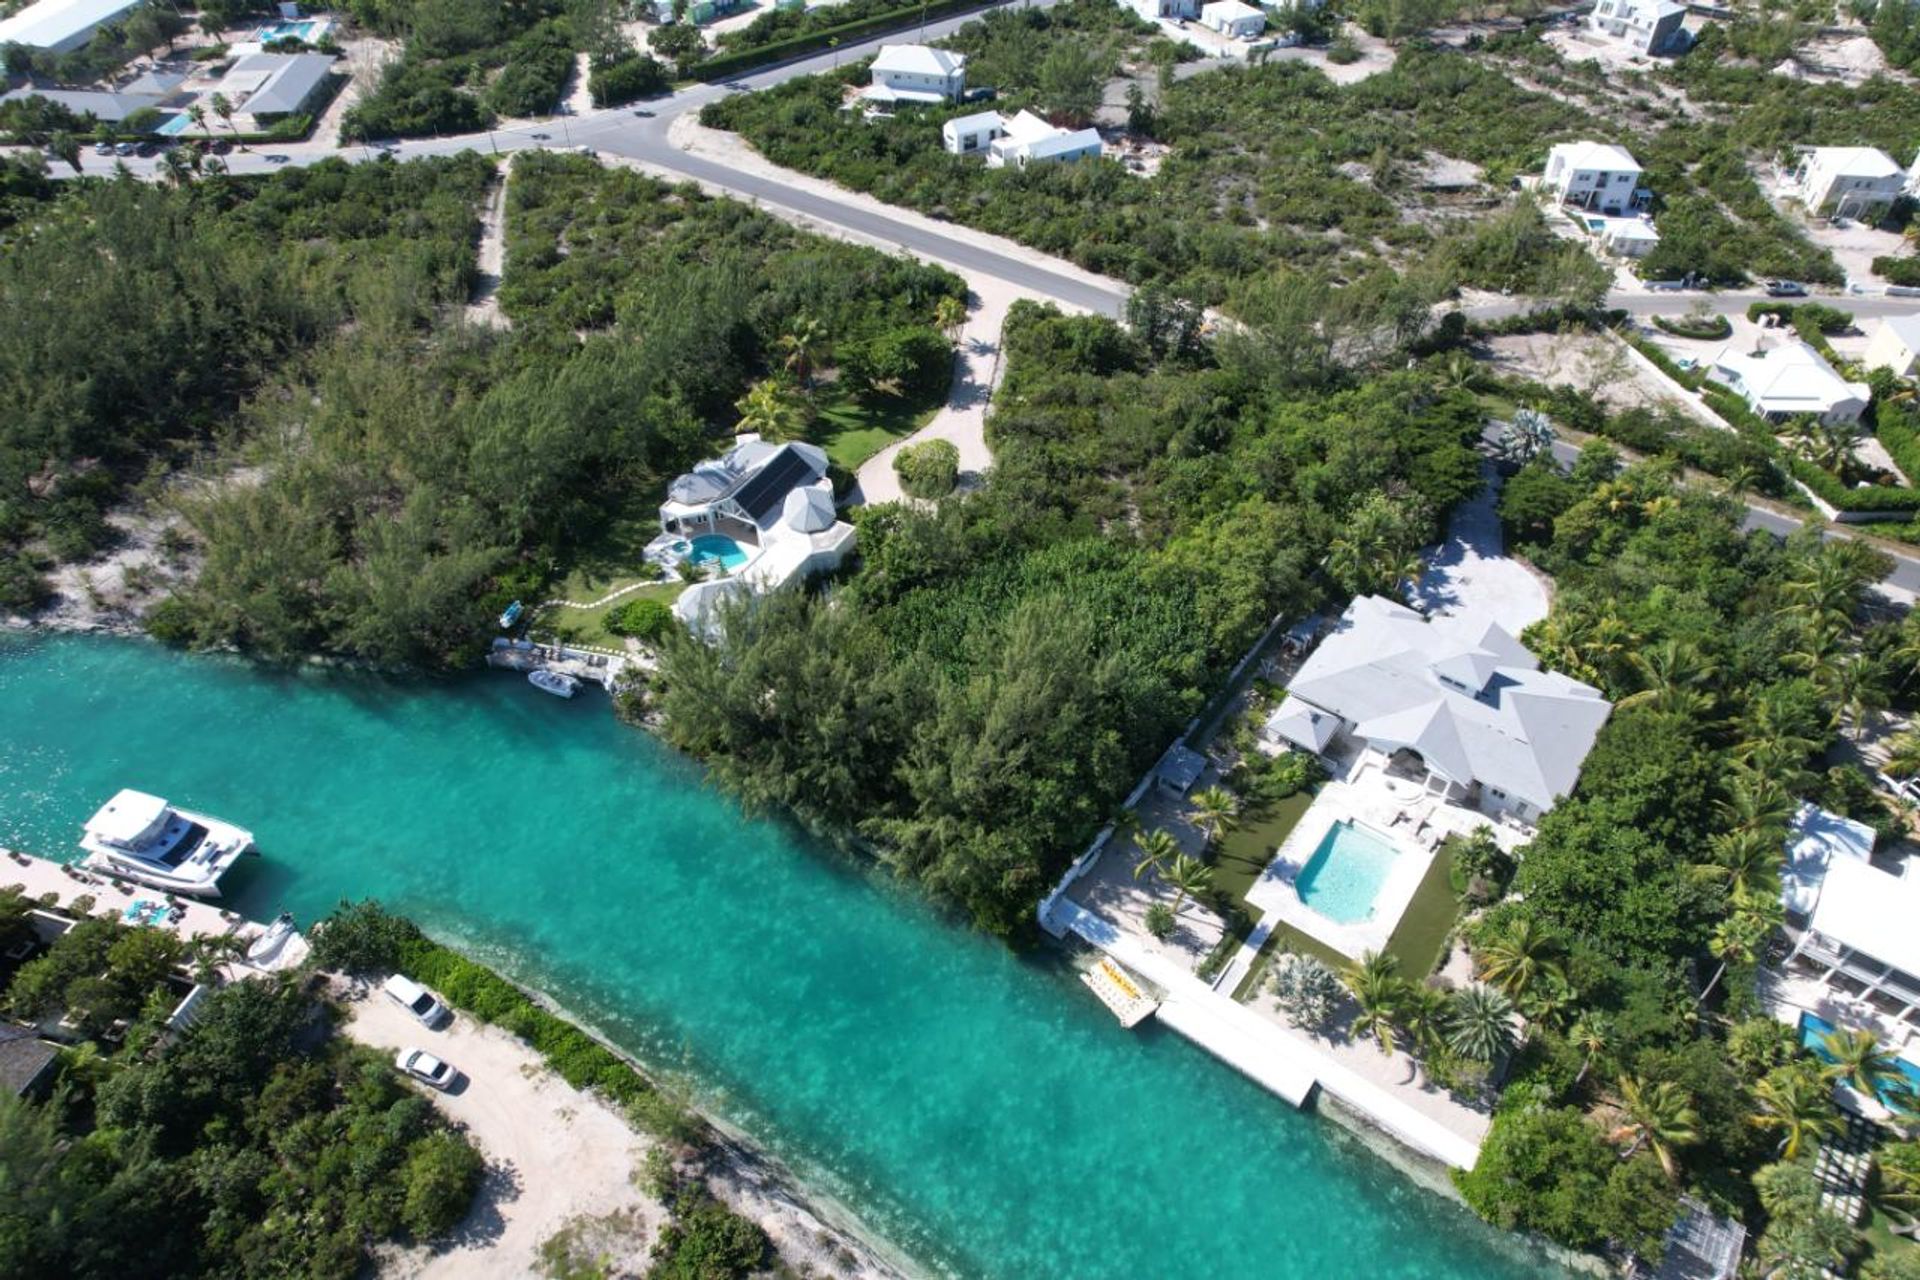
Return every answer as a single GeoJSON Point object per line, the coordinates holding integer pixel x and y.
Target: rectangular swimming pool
{"type": "Point", "coordinates": [1344, 875]}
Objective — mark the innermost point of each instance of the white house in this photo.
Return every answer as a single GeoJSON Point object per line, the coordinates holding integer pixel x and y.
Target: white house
{"type": "Point", "coordinates": [1859, 941]}
{"type": "Point", "coordinates": [1027, 139]}
{"type": "Point", "coordinates": [916, 73]}
{"type": "Point", "coordinates": [1232, 18]}
{"type": "Point", "coordinates": [1895, 346]}
{"type": "Point", "coordinates": [60, 26]}
{"type": "Point", "coordinates": [1847, 182]}
{"type": "Point", "coordinates": [1152, 9]}
{"type": "Point", "coordinates": [1913, 176]}
{"type": "Point", "coordinates": [1788, 380]}
{"type": "Point", "coordinates": [970, 135]}
{"type": "Point", "coordinates": [1597, 176]}
{"type": "Point", "coordinates": [1646, 26]}
{"type": "Point", "coordinates": [763, 512]}
{"type": "Point", "coordinates": [1455, 700]}
{"type": "Point", "coordinates": [267, 87]}
{"type": "Point", "coordinates": [1628, 237]}
{"type": "Point", "coordinates": [110, 106]}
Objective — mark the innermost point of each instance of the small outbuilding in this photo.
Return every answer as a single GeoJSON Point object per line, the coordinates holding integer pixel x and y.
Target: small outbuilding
{"type": "Point", "coordinates": [1232, 18]}
{"type": "Point", "coordinates": [1895, 346]}
{"type": "Point", "coordinates": [971, 135]}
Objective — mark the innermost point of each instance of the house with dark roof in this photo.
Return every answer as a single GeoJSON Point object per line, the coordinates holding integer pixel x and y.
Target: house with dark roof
{"type": "Point", "coordinates": [26, 1062]}
{"type": "Point", "coordinates": [1456, 703]}
{"type": "Point", "coordinates": [759, 516]}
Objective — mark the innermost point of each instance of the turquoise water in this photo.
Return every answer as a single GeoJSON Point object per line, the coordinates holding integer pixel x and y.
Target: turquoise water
{"type": "Point", "coordinates": [977, 1107]}
{"type": "Point", "coordinates": [717, 546]}
{"type": "Point", "coordinates": [1813, 1032]}
{"type": "Point", "coordinates": [1346, 871]}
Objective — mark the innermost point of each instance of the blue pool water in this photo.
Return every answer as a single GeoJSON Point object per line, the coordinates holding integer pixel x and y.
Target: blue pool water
{"type": "Point", "coordinates": [308, 30]}
{"type": "Point", "coordinates": [716, 546]}
{"type": "Point", "coordinates": [1346, 871]}
{"type": "Point", "coordinates": [176, 126]}
{"type": "Point", "coordinates": [1814, 1028]}
{"type": "Point", "coordinates": [974, 1105]}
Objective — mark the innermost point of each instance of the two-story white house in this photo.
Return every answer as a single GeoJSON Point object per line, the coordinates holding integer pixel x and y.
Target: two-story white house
{"type": "Point", "coordinates": [916, 73]}
{"type": "Point", "coordinates": [1597, 176]}
{"type": "Point", "coordinates": [1651, 27]}
{"type": "Point", "coordinates": [1847, 182]}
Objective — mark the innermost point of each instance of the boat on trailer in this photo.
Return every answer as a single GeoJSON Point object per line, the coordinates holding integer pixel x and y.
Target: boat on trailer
{"type": "Point", "coordinates": [142, 838]}
{"type": "Point", "coordinates": [557, 683]}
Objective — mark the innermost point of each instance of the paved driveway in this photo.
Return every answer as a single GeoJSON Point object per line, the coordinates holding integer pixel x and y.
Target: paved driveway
{"type": "Point", "coordinates": [1471, 572]}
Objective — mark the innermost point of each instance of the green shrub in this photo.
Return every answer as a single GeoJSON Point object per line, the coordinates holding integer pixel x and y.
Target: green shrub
{"type": "Point", "coordinates": [1710, 327]}
{"type": "Point", "coordinates": [914, 362]}
{"type": "Point", "coordinates": [618, 83]}
{"type": "Point", "coordinates": [1904, 272]}
{"type": "Point", "coordinates": [928, 470]}
{"type": "Point", "coordinates": [1343, 51]}
{"type": "Point", "coordinates": [644, 619]}
{"type": "Point", "coordinates": [442, 1172]}
{"type": "Point", "coordinates": [363, 938]}
{"type": "Point", "coordinates": [705, 1240]}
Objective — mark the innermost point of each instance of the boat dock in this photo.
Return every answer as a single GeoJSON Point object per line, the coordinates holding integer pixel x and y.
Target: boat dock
{"type": "Point", "coordinates": [594, 666]}
{"type": "Point", "coordinates": [1284, 1062]}
{"type": "Point", "coordinates": [1119, 991]}
{"type": "Point", "coordinates": [59, 886]}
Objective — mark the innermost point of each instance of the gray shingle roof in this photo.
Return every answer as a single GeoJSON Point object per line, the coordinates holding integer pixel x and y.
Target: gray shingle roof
{"type": "Point", "coordinates": [1462, 692]}
{"type": "Point", "coordinates": [23, 1057]}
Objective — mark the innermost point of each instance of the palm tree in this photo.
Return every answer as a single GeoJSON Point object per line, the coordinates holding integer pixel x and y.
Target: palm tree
{"type": "Point", "coordinates": [176, 168]}
{"type": "Point", "coordinates": [1748, 861]}
{"type": "Point", "coordinates": [1214, 811]}
{"type": "Point", "coordinates": [1480, 1023]}
{"type": "Point", "coordinates": [66, 146]}
{"type": "Point", "coordinates": [1589, 1035]}
{"type": "Point", "coordinates": [1860, 1061]}
{"type": "Point", "coordinates": [1381, 993]}
{"type": "Point", "coordinates": [1799, 1104]}
{"type": "Point", "coordinates": [1903, 754]}
{"type": "Point", "coordinates": [1672, 676]}
{"type": "Point", "coordinates": [224, 109]}
{"type": "Point", "coordinates": [1424, 1012]}
{"type": "Point", "coordinates": [1899, 1166]}
{"type": "Point", "coordinates": [950, 316]}
{"type": "Point", "coordinates": [1858, 685]}
{"type": "Point", "coordinates": [1189, 877]}
{"type": "Point", "coordinates": [1826, 593]}
{"type": "Point", "coordinates": [1517, 956]}
{"type": "Point", "coordinates": [801, 348]}
{"type": "Point", "coordinates": [198, 114]}
{"type": "Point", "coordinates": [1739, 937]}
{"type": "Point", "coordinates": [1658, 1116]}
{"type": "Point", "coordinates": [770, 408]}
{"type": "Point", "coordinates": [1157, 851]}
{"type": "Point", "coordinates": [1756, 802]}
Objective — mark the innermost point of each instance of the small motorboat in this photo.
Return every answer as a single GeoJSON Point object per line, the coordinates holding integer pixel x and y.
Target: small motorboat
{"type": "Point", "coordinates": [557, 683]}
{"type": "Point", "coordinates": [512, 615]}
{"type": "Point", "coordinates": [267, 945]}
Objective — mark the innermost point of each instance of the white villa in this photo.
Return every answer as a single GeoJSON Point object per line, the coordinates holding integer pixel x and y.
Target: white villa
{"type": "Point", "coordinates": [1596, 176]}
{"type": "Point", "coordinates": [1651, 27]}
{"type": "Point", "coordinates": [1456, 704]}
{"type": "Point", "coordinates": [1628, 237]}
{"type": "Point", "coordinates": [1152, 9]}
{"type": "Point", "coordinates": [1856, 953]}
{"type": "Point", "coordinates": [1846, 182]}
{"type": "Point", "coordinates": [1027, 139]}
{"type": "Point", "coordinates": [1895, 346]}
{"type": "Point", "coordinates": [1791, 379]}
{"type": "Point", "coordinates": [268, 87]}
{"type": "Point", "coordinates": [61, 26]}
{"type": "Point", "coordinates": [916, 73]}
{"type": "Point", "coordinates": [1232, 18]}
{"type": "Point", "coordinates": [762, 512]}
{"type": "Point", "coordinates": [969, 135]}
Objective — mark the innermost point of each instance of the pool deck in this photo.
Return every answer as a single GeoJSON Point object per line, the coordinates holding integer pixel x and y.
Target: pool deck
{"type": "Point", "coordinates": [1275, 1056]}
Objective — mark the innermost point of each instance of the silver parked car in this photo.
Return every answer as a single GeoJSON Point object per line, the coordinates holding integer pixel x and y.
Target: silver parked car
{"type": "Point", "coordinates": [426, 1068]}
{"type": "Point", "coordinates": [417, 1000]}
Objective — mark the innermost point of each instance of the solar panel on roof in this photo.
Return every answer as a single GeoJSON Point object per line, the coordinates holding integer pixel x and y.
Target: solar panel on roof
{"type": "Point", "coordinates": [765, 491]}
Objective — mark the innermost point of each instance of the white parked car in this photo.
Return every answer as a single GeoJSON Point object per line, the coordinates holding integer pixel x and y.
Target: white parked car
{"type": "Point", "coordinates": [424, 1067]}
{"type": "Point", "coordinates": [417, 1000]}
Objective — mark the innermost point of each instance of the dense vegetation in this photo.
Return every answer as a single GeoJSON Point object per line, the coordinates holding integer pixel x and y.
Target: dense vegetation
{"type": "Point", "coordinates": [1636, 918]}
{"type": "Point", "coordinates": [986, 686]}
{"type": "Point", "coordinates": [230, 279]}
{"type": "Point", "coordinates": [1269, 166]}
{"type": "Point", "coordinates": [253, 1144]}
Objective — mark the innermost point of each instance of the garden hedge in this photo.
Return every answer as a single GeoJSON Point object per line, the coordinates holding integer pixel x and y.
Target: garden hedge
{"type": "Point", "coordinates": [720, 66]}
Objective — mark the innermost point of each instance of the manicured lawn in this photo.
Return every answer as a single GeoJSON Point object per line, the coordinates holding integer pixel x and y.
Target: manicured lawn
{"type": "Point", "coordinates": [1423, 930]}
{"type": "Point", "coordinates": [851, 431]}
{"type": "Point", "coordinates": [588, 626]}
{"type": "Point", "coordinates": [1248, 848]}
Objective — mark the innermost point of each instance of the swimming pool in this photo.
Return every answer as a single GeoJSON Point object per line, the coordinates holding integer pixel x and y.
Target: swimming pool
{"type": "Point", "coordinates": [1813, 1031]}
{"type": "Point", "coordinates": [709, 547]}
{"type": "Point", "coordinates": [309, 30]}
{"type": "Point", "coordinates": [1346, 871]}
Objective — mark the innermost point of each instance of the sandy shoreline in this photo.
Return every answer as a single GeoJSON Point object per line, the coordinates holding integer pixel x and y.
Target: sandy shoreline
{"type": "Point", "coordinates": [560, 1158]}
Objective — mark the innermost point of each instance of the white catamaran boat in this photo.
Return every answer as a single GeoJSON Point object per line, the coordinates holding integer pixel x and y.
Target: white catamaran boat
{"type": "Point", "coordinates": [143, 838]}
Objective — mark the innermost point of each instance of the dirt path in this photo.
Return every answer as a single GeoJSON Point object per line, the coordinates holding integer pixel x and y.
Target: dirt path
{"type": "Point", "coordinates": [556, 1156]}
{"type": "Point", "coordinates": [491, 265]}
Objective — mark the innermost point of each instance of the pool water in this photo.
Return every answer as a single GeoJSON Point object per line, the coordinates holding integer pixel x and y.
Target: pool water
{"type": "Point", "coordinates": [308, 31]}
{"type": "Point", "coordinates": [1346, 871]}
{"type": "Point", "coordinates": [709, 547]}
{"type": "Point", "coordinates": [974, 1104]}
{"type": "Point", "coordinates": [1813, 1031]}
